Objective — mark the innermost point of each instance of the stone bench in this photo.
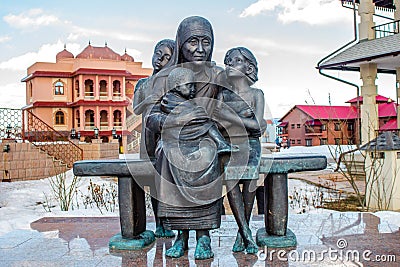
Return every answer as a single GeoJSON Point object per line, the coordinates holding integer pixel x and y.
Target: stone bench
{"type": "Point", "coordinates": [275, 167]}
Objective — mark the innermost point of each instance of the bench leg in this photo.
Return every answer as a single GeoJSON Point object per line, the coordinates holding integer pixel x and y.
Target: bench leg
{"type": "Point", "coordinates": [132, 207]}
{"type": "Point", "coordinates": [275, 234]}
{"type": "Point", "coordinates": [276, 204]}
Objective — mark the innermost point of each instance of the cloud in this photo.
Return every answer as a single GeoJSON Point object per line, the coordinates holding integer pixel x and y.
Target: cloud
{"type": "Point", "coordinates": [32, 18]}
{"type": "Point", "coordinates": [46, 53]}
{"type": "Point", "coordinates": [12, 95]}
{"type": "Point", "coordinates": [81, 32]}
{"type": "Point", "coordinates": [4, 39]}
{"type": "Point", "coordinates": [264, 44]}
{"type": "Point", "coordinates": [315, 12]}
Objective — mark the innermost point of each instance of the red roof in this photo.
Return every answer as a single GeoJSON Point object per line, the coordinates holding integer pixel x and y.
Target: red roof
{"type": "Point", "coordinates": [379, 98]}
{"type": "Point", "coordinates": [99, 53]}
{"type": "Point", "coordinates": [329, 112]}
{"type": "Point", "coordinates": [387, 109]}
{"type": "Point", "coordinates": [390, 125]}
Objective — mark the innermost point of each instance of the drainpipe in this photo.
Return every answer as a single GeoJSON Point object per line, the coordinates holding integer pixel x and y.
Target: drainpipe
{"type": "Point", "coordinates": [341, 80]}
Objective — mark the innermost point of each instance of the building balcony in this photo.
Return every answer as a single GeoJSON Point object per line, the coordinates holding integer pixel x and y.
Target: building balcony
{"type": "Point", "coordinates": [387, 29]}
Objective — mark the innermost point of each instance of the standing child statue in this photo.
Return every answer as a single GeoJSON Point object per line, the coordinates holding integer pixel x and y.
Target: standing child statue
{"type": "Point", "coordinates": [244, 108]}
{"type": "Point", "coordinates": [144, 98]}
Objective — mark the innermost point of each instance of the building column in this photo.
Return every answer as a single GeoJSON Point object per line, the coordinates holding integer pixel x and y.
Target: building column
{"type": "Point", "coordinates": [109, 88]}
{"type": "Point", "coordinates": [123, 89]}
{"type": "Point", "coordinates": [397, 11]}
{"type": "Point", "coordinates": [369, 108]}
{"type": "Point", "coordinates": [110, 117]}
{"type": "Point", "coordinates": [97, 117]}
{"type": "Point", "coordinates": [96, 88]}
{"type": "Point", "coordinates": [81, 88]}
{"type": "Point", "coordinates": [366, 10]}
{"type": "Point", "coordinates": [82, 119]}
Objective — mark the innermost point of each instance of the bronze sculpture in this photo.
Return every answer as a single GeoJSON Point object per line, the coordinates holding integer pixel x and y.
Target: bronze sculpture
{"type": "Point", "coordinates": [144, 98]}
{"type": "Point", "coordinates": [246, 109]}
{"type": "Point", "coordinates": [194, 45]}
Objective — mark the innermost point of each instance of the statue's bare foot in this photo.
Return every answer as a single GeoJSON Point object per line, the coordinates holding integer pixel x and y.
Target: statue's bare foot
{"type": "Point", "coordinates": [177, 250]}
{"type": "Point", "coordinates": [161, 232]}
{"type": "Point", "coordinates": [251, 247]}
{"type": "Point", "coordinates": [226, 148]}
{"type": "Point", "coordinates": [203, 248]}
{"type": "Point", "coordinates": [239, 245]}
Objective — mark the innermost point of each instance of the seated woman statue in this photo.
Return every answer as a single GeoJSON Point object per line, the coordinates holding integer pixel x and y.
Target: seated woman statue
{"type": "Point", "coordinates": [243, 107]}
{"type": "Point", "coordinates": [144, 99]}
{"type": "Point", "coordinates": [188, 170]}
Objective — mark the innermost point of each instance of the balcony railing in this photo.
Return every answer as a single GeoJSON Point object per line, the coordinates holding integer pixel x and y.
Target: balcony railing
{"type": "Point", "coordinates": [386, 29]}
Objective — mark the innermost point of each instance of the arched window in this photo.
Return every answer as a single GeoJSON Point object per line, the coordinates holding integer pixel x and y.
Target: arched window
{"type": "Point", "coordinates": [78, 119]}
{"type": "Point", "coordinates": [30, 90]}
{"type": "Point", "coordinates": [116, 88]}
{"type": "Point", "coordinates": [89, 91]}
{"type": "Point", "coordinates": [59, 118]}
{"type": "Point", "coordinates": [59, 88]}
{"type": "Point", "coordinates": [103, 119]}
{"type": "Point", "coordinates": [77, 87]}
{"type": "Point", "coordinates": [89, 119]}
{"type": "Point", "coordinates": [103, 89]}
{"type": "Point", "coordinates": [117, 118]}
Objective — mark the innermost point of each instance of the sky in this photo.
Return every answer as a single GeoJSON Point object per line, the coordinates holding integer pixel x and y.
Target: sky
{"type": "Point", "coordinates": [288, 38]}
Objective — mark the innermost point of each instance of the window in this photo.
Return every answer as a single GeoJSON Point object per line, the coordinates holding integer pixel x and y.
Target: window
{"type": "Point", "coordinates": [77, 88]}
{"type": "Point", "coordinates": [323, 141]}
{"type": "Point", "coordinates": [59, 88]}
{"type": "Point", "coordinates": [292, 126]}
{"type": "Point", "coordinates": [117, 118]}
{"type": "Point", "coordinates": [293, 141]}
{"type": "Point", "coordinates": [116, 88]}
{"type": "Point", "coordinates": [59, 118]}
{"type": "Point", "coordinates": [323, 127]}
{"type": "Point", "coordinates": [337, 126]}
{"type": "Point", "coordinates": [299, 141]}
{"type": "Point", "coordinates": [103, 88]}
{"type": "Point", "coordinates": [350, 127]}
{"type": "Point", "coordinates": [89, 91]}
{"type": "Point", "coordinates": [308, 142]}
{"type": "Point", "coordinates": [338, 141]}
{"type": "Point", "coordinates": [30, 89]}
{"type": "Point", "coordinates": [298, 125]}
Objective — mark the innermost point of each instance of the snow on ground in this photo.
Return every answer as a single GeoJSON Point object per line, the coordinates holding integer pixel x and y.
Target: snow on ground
{"type": "Point", "coordinates": [23, 202]}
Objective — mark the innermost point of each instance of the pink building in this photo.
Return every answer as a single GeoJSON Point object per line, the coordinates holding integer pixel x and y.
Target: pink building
{"type": "Point", "coordinates": [83, 93]}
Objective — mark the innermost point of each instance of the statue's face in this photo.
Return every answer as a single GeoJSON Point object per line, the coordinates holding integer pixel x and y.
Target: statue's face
{"type": "Point", "coordinates": [236, 65]}
{"type": "Point", "coordinates": [161, 57]}
{"type": "Point", "coordinates": [196, 49]}
{"type": "Point", "coordinates": [186, 90]}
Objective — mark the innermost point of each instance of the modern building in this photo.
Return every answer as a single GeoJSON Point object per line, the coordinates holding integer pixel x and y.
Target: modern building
{"type": "Point", "coordinates": [88, 95]}
{"type": "Point", "coordinates": [313, 125]}
{"type": "Point", "coordinates": [374, 50]}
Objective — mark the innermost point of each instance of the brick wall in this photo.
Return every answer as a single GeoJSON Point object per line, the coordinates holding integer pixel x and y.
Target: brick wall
{"type": "Point", "coordinates": [24, 161]}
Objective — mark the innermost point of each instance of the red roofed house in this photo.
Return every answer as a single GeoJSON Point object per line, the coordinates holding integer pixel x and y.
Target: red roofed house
{"type": "Point", "coordinates": [92, 90]}
{"type": "Point", "coordinates": [313, 125]}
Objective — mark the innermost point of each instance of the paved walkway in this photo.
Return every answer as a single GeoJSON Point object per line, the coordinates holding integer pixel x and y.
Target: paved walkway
{"type": "Point", "coordinates": [84, 242]}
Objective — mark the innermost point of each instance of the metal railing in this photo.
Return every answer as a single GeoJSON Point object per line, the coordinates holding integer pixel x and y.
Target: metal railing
{"type": "Point", "coordinates": [11, 124]}
{"type": "Point", "coordinates": [386, 29]}
{"type": "Point", "coordinates": [49, 140]}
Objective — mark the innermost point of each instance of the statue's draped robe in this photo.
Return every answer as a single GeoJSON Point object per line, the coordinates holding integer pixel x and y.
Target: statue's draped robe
{"type": "Point", "coordinates": [188, 173]}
